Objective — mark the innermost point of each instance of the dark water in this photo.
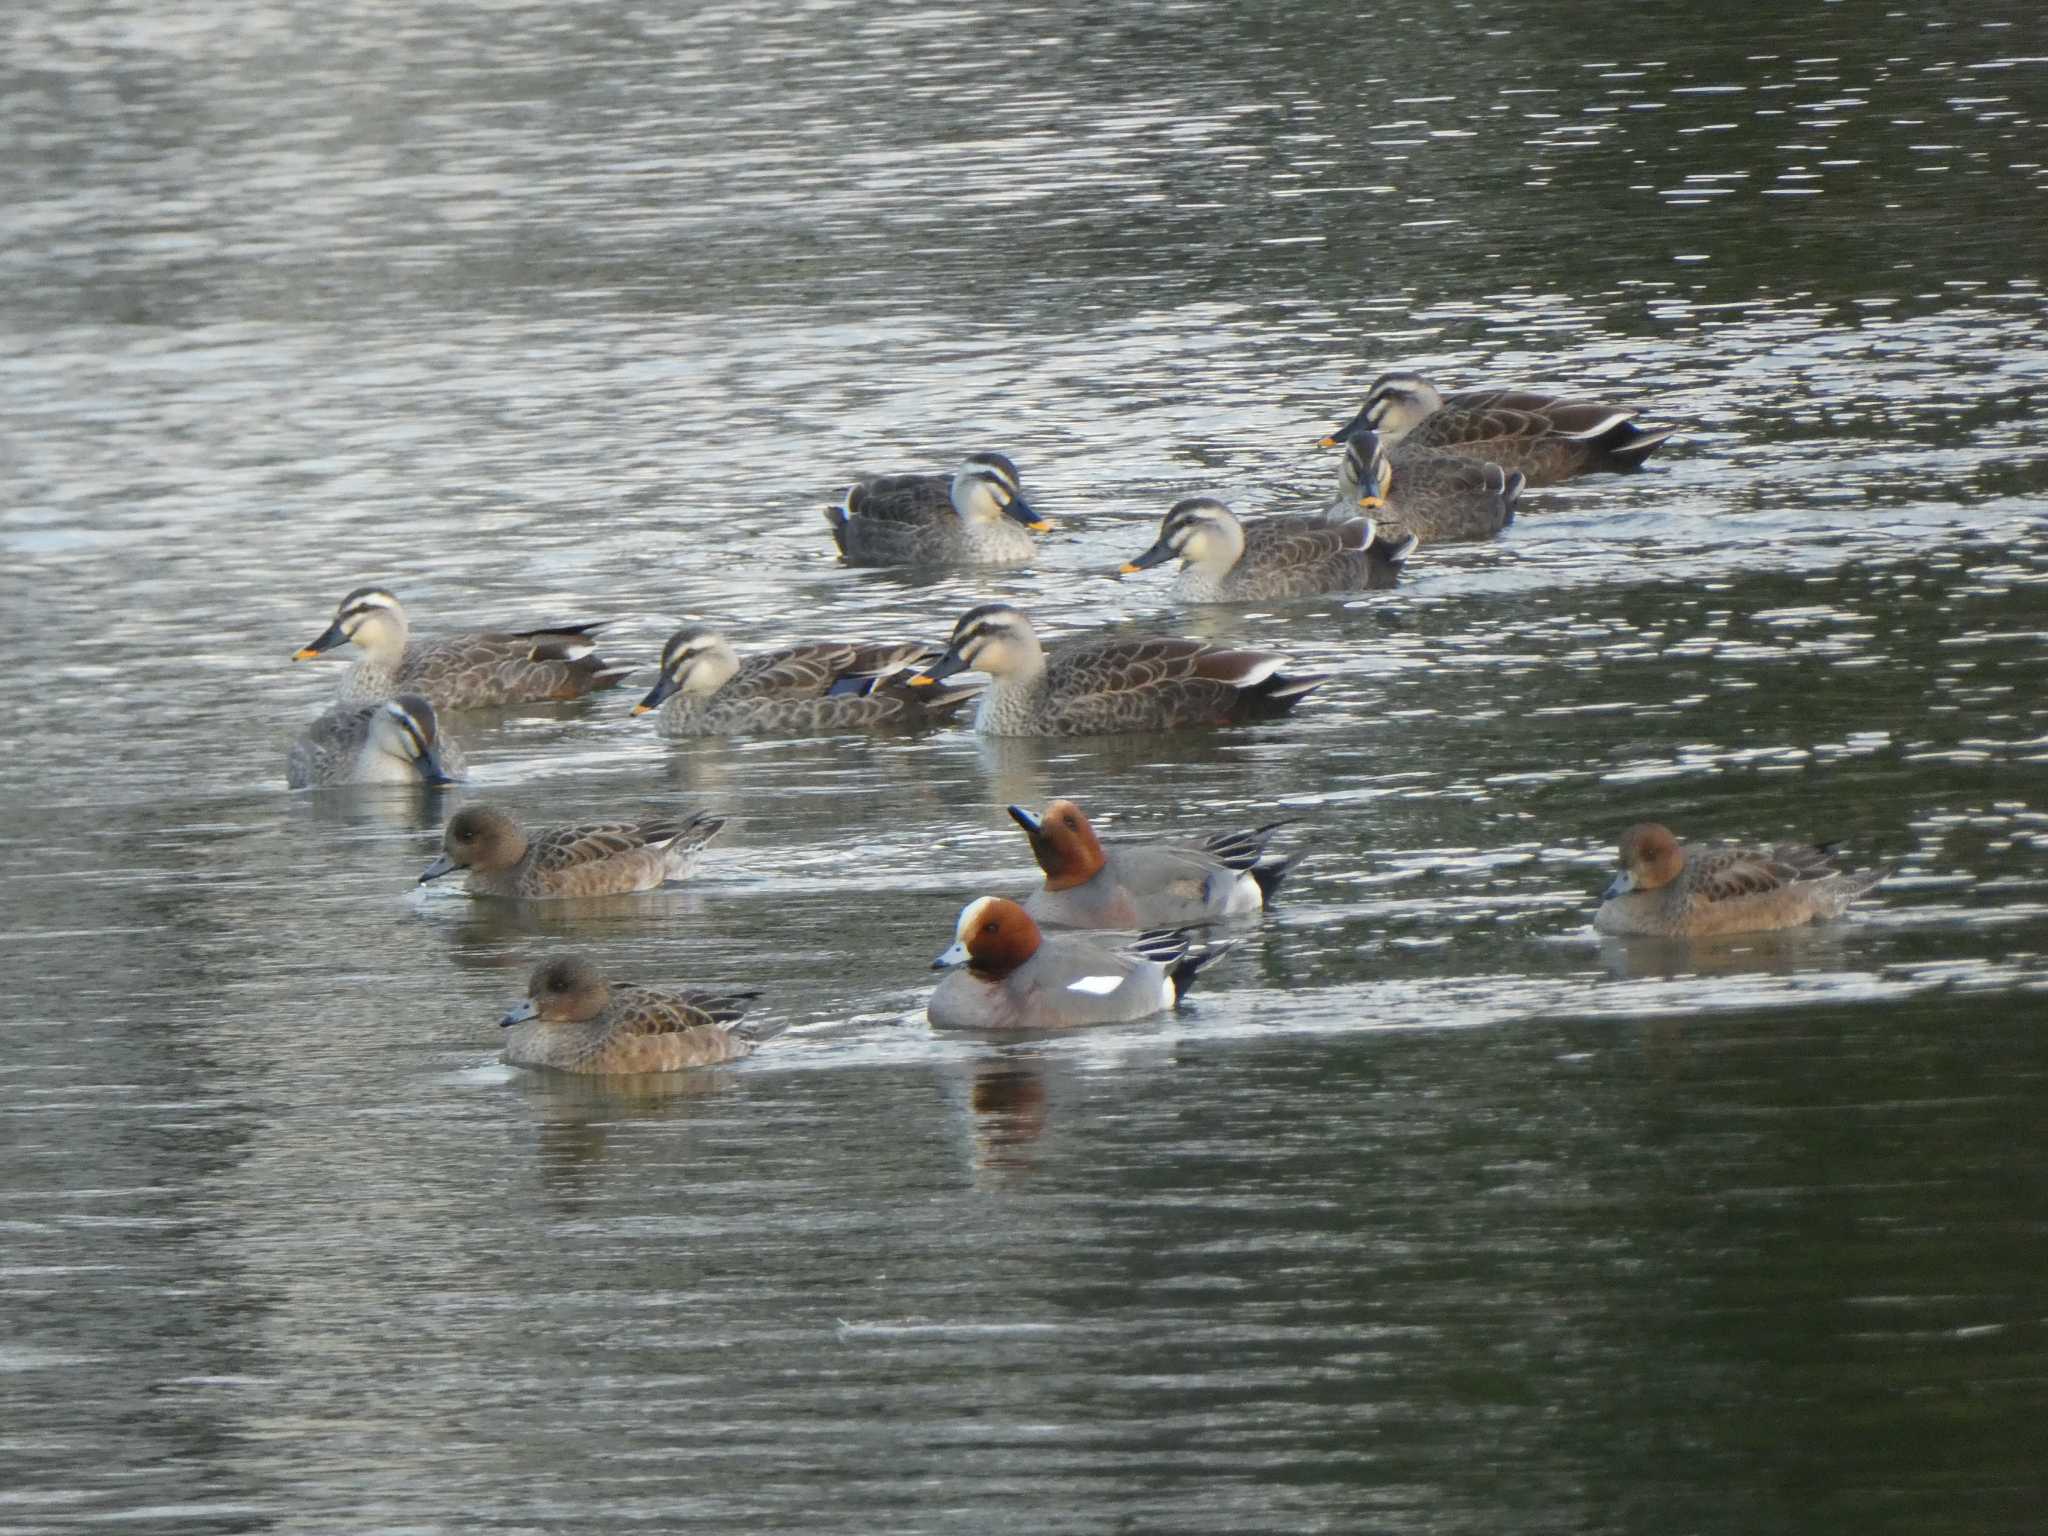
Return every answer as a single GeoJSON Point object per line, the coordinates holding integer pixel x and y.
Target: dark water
{"type": "Point", "coordinates": [1431, 1212]}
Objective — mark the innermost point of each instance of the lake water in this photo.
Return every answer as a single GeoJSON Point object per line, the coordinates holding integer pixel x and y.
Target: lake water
{"type": "Point", "coordinates": [1430, 1211]}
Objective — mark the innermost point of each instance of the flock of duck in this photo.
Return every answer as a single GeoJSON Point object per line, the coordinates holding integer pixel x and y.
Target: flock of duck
{"type": "Point", "coordinates": [1419, 467]}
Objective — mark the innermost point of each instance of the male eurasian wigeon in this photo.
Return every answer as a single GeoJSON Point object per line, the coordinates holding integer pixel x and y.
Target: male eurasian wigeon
{"type": "Point", "coordinates": [1675, 892]}
{"type": "Point", "coordinates": [573, 1020]}
{"type": "Point", "coordinates": [463, 671]}
{"type": "Point", "coordinates": [820, 687]}
{"type": "Point", "coordinates": [1007, 975]}
{"type": "Point", "coordinates": [1144, 885]}
{"type": "Point", "coordinates": [977, 516]}
{"type": "Point", "coordinates": [1546, 437]}
{"type": "Point", "coordinates": [1092, 687]}
{"type": "Point", "coordinates": [598, 858]}
{"type": "Point", "coordinates": [1223, 560]}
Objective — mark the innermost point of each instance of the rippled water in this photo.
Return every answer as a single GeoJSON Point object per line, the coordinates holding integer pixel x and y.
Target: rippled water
{"type": "Point", "coordinates": [1431, 1211]}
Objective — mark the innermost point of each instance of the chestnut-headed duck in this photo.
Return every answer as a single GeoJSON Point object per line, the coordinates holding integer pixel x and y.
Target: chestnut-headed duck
{"type": "Point", "coordinates": [1676, 892]}
{"type": "Point", "coordinates": [1006, 975]}
{"type": "Point", "coordinates": [1144, 885]}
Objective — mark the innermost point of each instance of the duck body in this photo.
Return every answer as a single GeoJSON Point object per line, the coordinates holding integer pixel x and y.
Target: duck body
{"type": "Point", "coordinates": [478, 670]}
{"type": "Point", "coordinates": [394, 741]}
{"type": "Point", "coordinates": [1670, 891]}
{"type": "Point", "coordinates": [1005, 975]}
{"type": "Point", "coordinates": [605, 858]}
{"type": "Point", "coordinates": [1547, 439]}
{"type": "Point", "coordinates": [976, 516]}
{"type": "Point", "coordinates": [1094, 687]}
{"type": "Point", "coordinates": [1131, 886]}
{"type": "Point", "coordinates": [819, 688]}
{"type": "Point", "coordinates": [573, 1020]}
{"type": "Point", "coordinates": [1224, 560]}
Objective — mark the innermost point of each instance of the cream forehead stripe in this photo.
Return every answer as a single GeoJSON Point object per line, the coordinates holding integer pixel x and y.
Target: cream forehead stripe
{"type": "Point", "coordinates": [970, 915]}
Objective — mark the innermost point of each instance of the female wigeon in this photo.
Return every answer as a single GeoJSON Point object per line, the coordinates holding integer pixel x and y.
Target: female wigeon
{"type": "Point", "coordinates": [1093, 687]}
{"type": "Point", "coordinates": [1011, 976]}
{"type": "Point", "coordinates": [573, 1020]}
{"type": "Point", "coordinates": [1223, 560]}
{"type": "Point", "coordinates": [1675, 892]}
{"type": "Point", "coordinates": [1144, 885]}
{"type": "Point", "coordinates": [597, 858]}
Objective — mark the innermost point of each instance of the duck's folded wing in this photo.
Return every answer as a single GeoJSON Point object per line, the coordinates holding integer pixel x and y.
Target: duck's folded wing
{"type": "Point", "coordinates": [649, 1011]}
{"type": "Point", "coordinates": [557, 848]}
{"type": "Point", "coordinates": [823, 667]}
{"type": "Point", "coordinates": [1723, 874]}
{"type": "Point", "coordinates": [910, 499]}
{"type": "Point", "coordinates": [1276, 543]}
{"type": "Point", "coordinates": [1480, 414]}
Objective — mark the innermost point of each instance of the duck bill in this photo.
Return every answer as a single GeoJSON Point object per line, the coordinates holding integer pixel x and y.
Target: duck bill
{"type": "Point", "coordinates": [1372, 503]}
{"type": "Point", "coordinates": [656, 695]}
{"type": "Point", "coordinates": [939, 670]}
{"type": "Point", "coordinates": [953, 957]}
{"type": "Point", "coordinates": [328, 639]}
{"type": "Point", "coordinates": [1348, 431]}
{"type": "Point", "coordinates": [433, 770]}
{"type": "Point", "coordinates": [434, 871]}
{"type": "Point", "coordinates": [1019, 510]}
{"type": "Point", "coordinates": [1026, 820]}
{"type": "Point", "coordinates": [1620, 885]}
{"type": "Point", "coordinates": [519, 1014]}
{"type": "Point", "coordinates": [1158, 554]}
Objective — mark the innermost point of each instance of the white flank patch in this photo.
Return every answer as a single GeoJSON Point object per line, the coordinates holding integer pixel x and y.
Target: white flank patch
{"type": "Point", "coordinates": [1259, 673]}
{"type": "Point", "coordinates": [1096, 986]}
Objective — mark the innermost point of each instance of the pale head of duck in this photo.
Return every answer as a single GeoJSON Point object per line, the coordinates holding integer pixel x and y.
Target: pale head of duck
{"type": "Point", "coordinates": [986, 491]}
{"type": "Point", "coordinates": [1201, 531]}
{"type": "Point", "coordinates": [369, 617]}
{"type": "Point", "coordinates": [405, 728]}
{"type": "Point", "coordinates": [695, 661]}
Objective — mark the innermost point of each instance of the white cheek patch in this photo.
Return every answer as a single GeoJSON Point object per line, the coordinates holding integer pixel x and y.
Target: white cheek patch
{"type": "Point", "coordinates": [1096, 986]}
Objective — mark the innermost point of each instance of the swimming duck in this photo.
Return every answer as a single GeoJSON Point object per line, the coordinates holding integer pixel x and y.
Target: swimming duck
{"type": "Point", "coordinates": [1227, 561]}
{"type": "Point", "coordinates": [977, 517]}
{"type": "Point", "coordinates": [395, 741]}
{"type": "Point", "coordinates": [1090, 687]}
{"type": "Point", "coordinates": [573, 1020]}
{"type": "Point", "coordinates": [819, 688]}
{"type": "Point", "coordinates": [1144, 885]}
{"type": "Point", "coordinates": [1547, 438]}
{"type": "Point", "coordinates": [464, 671]}
{"type": "Point", "coordinates": [1437, 497]}
{"type": "Point", "coordinates": [1011, 976]}
{"type": "Point", "coordinates": [600, 858]}
{"type": "Point", "coordinates": [1677, 892]}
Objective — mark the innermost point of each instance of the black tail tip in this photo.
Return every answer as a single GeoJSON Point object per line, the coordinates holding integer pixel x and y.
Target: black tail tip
{"type": "Point", "coordinates": [1192, 965]}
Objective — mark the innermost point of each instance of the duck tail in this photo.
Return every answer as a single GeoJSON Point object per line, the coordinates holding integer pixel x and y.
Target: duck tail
{"type": "Point", "coordinates": [1274, 696]}
{"type": "Point", "coordinates": [1623, 448]}
{"type": "Point", "coordinates": [1192, 964]}
{"type": "Point", "coordinates": [757, 1032]}
{"type": "Point", "coordinates": [606, 675]}
{"type": "Point", "coordinates": [692, 832]}
{"type": "Point", "coordinates": [1269, 873]}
